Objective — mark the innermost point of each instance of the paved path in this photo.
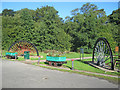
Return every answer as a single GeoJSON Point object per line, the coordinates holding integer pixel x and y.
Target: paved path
{"type": "Point", "coordinates": [19, 75]}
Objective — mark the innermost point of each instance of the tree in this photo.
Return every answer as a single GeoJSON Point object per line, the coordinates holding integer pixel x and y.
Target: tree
{"type": "Point", "coordinates": [106, 31]}
{"type": "Point", "coordinates": [52, 34]}
{"type": "Point", "coordinates": [8, 12]}
{"type": "Point", "coordinates": [46, 30]}
{"type": "Point", "coordinates": [18, 27]}
{"type": "Point", "coordinates": [7, 28]}
{"type": "Point", "coordinates": [114, 19]}
{"type": "Point", "coordinates": [85, 25]}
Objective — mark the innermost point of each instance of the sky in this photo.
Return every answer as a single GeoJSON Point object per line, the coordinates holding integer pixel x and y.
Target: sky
{"type": "Point", "coordinates": [64, 8]}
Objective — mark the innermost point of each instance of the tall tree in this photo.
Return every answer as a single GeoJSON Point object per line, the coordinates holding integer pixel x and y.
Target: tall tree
{"type": "Point", "coordinates": [84, 25]}
{"type": "Point", "coordinates": [114, 19]}
{"type": "Point", "coordinates": [8, 12]}
{"type": "Point", "coordinates": [51, 31]}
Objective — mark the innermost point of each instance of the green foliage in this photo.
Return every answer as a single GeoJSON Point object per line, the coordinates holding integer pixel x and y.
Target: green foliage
{"type": "Point", "coordinates": [42, 27]}
{"type": "Point", "coordinates": [80, 65]}
{"type": "Point", "coordinates": [8, 12]}
{"type": "Point", "coordinates": [114, 19]}
{"type": "Point", "coordinates": [47, 31]}
{"type": "Point", "coordinates": [87, 24]}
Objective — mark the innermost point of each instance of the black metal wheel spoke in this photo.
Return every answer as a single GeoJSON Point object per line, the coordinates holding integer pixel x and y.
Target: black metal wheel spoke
{"type": "Point", "coordinates": [21, 46]}
{"type": "Point", "coordinates": [102, 54]}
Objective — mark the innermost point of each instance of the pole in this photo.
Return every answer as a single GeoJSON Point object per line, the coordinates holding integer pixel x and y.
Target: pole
{"type": "Point", "coordinates": [119, 57]}
{"type": "Point", "coordinates": [1, 54]}
{"type": "Point", "coordinates": [38, 59]}
{"type": "Point", "coordinates": [72, 65]}
{"type": "Point", "coordinates": [83, 54]}
{"type": "Point", "coordinates": [80, 55]}
{"type": "Point", "coordinates": [15, 56]}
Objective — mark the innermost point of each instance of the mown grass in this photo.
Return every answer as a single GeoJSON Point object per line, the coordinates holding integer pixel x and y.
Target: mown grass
{"type": "Point", "coordinates": [21, 59]}
{"type": "Point", "coordinates": [67, 55]}
{"type": "Point", "coordinates": [80, 65]}
{"type": "Point", "coordinates": [76, 55]}
{"type": "Point", "coordinates": [3, 52]}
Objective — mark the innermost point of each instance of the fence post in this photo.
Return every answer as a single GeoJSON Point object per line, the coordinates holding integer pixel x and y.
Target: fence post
{"type": "Point", "coordinates": [119, 53]}
{"type": "Point", "coordinates": [15, 56]}
{"type": "Point", "coordinates": [38, 59]}
{"type": "Point", "coordinates": [1, 54]}
{"type": "Point", "coordinates": [72, 65]}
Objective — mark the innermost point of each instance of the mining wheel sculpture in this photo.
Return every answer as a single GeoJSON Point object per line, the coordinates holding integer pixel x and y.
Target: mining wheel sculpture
{"type": "Point", "coordinates": [21, 46]}
{"type": "Point", "coordinates": [102, 54]}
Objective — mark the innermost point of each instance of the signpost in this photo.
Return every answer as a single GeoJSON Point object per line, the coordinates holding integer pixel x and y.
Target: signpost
{"type": "Point", "coordinates": [117, 50]}
{"type": "Point", "coordinates": [81, 53]}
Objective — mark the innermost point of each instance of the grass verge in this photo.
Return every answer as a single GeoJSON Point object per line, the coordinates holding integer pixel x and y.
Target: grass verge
{"type": "Point", "coordinates": [79, 65]}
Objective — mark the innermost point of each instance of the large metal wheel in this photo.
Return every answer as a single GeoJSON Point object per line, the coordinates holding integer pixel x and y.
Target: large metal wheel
{"type": "Point", "coordinates": [21, 46]}
{"type": "Point", "coordinates": [102, 54]}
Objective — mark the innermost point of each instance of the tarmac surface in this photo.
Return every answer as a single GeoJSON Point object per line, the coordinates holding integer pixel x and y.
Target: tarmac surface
{"type": "Point", "coordinates": [20, 75]}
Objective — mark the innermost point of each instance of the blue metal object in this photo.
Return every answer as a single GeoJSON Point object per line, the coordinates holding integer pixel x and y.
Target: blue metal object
{"type": "Point", "coordinates": [38, 59]}
{"type": "Point", "coordinates": [11, 54]}
{"type": "Point", "coordinates": [57, 59]}
{"type": "Point", "coordinates": [24, 43]}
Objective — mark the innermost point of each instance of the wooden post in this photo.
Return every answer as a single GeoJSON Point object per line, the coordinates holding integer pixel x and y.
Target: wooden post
{"type": "Point", "coordinates": [72, 65]}
{"type": "Point", "coordinates": [55, 64]}
{"type": "Point", "coordinates": [15, 56]}
{"type": "Point", "coordinates": [38, 59]}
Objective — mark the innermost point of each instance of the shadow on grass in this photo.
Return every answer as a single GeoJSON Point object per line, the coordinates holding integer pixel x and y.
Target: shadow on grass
{"type": "Point", "coordinates": [46, 63]}
{"type": "Point", "coordinates": [88, 63]}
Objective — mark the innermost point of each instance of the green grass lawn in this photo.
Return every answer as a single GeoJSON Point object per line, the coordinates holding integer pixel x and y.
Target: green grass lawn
{"type": "Point", "coordinates": [3, 52]}
{"type": "Point", "coordinates": [76, 55]}
{"type": "Point", "coordinates": [67, 55]}
{"type": "Point", "coordinates": [80, 65]}
{"type": "Point", "coordinates": [21, 59]}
